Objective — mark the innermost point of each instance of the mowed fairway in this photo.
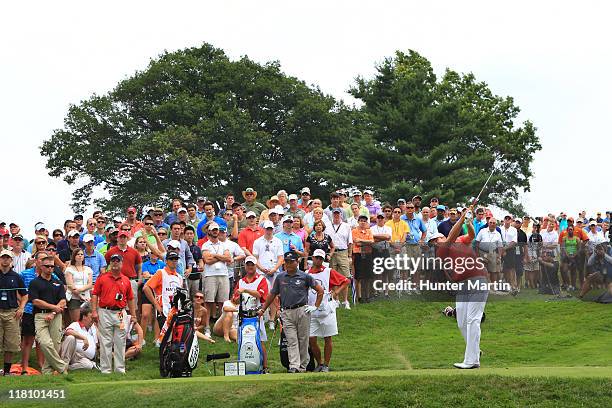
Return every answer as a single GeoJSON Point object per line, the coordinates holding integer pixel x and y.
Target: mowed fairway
{"type": "Point", "coordinates": [393, 353]}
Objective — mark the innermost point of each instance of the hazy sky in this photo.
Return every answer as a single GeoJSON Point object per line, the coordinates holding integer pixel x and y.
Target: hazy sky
{"type": "Point", "coordinates": [554, 58]}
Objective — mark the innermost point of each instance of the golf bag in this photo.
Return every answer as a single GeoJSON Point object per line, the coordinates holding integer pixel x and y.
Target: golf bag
{"type": "Point", "coordinates": [249, 340]}
{"type": "Point", "coordinates": [179, 348]}
{"type": "Point", "coordinates": [284, 353]}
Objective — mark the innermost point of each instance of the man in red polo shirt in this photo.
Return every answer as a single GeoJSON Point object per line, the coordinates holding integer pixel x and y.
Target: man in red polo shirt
{"type": "Point", "coordinates": [111, 294]}
{"type": "Point", "coordinates": [470, 302]}
{"type": "Point", "coordinates": [248, 235]}
{"type": "Point", "coordinates": [132, 261]}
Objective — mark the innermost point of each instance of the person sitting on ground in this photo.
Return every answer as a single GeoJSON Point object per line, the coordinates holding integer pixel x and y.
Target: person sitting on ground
{"type": "Point", "coordinates": [133, 348]}
{"type": "Point", "coordinates": [78, 348]}
{"type": "Point", "coordinates": [200, 316]}
{"type": "Point", "coordinates": [227, 325]}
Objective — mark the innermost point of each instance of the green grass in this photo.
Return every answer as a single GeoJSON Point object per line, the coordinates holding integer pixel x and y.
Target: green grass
{"type": "Point", "coordinates": [395, 353]}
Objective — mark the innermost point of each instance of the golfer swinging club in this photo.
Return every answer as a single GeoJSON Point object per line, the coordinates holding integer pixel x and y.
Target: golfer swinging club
{"type": "Point", "coordinates": [472, 297]}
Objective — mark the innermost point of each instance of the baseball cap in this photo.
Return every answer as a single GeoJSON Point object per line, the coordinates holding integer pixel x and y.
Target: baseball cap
{"type": "Point", "coordinates": [78, 217]}
{"type": "Point", "coordinates": [518, 220]}
{"type": "Point", "coordinates": [39, 226]}
{"type": "Point", "coordinates": [17, 236]}
{"type": "Point", "coordinates": [279, 210]}
{"type": "Point", "coordinates": [200, 198]}
{"type": "Point", "coordinates": [111, 230]}
{"type": "Point", "coordinates": [88, 238]}
{"type": "Point", "coordinates": [73, 233]}
{"type": "Point", "coordinates": [213, 225]}
{"type": "Point", "coordinates": [268, 224]}
{"type": "Point", "coordinates": [222, 228]}
{"type": "Point", "coordinates": [182, 209]}
{"type": "Point", "coordinates": [292, 197]}
{"type": "Point", "coordinates": [579, 220]}
{"type": "Point", "coordinates": [380, 215]}
{"type": "Point", "coordinates": [434, 199]}
{"type": "Point", "coordinates": [319, 252]}
{"type": "Point", "coordinates": [441, 208]}
{"type": "Point", "coordinates": [507, 217]}
{"type": "Point", "coordinates": [401, 200]}
{"type": "Point", "coordinates": [116, 257]}
{"type": "Point", "coordinates": [593, 223]}
{"type": "Point", "coordinates": [132, 209]}
{"type": "Point", "coordinates": [417, 196]}
{"type": "Point", "coordinates": [6, 252]}
{"type": "Point", "coordinates": [251, 259]}
{"type": "Point", "coordinates": [437, 235]}
{"type": "Point", "coordinates": [337, 210]}
{"type": "Point", "coordinates": [356, 193]}
{"type": "Point", "coordinates": [174, 243]}
{"type": "Point", "coordinates": [251, 214]}
{"type": "Point", "coordinates": [305, 190]}
{"type": "Point", "coordinates": [290, 256]}
{"type": "Point", "coordinates": [287, 218]}
{"type": "Point", "coordinates": [117, 219]}
{"type": "Point", "coordinates": [123, 234]}
{"type": "Point", "coordinates": [12, 224]}
{"type": "Point", "coordinates": [370, 192]}
{"type": "Point", "coordinates": [341, 192]}
{"type": "Point", "coordinates": [172, 255]}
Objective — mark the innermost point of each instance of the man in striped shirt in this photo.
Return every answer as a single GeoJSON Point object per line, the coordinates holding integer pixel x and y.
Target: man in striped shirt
{"type": "Point", "coordinates": [20, 255]}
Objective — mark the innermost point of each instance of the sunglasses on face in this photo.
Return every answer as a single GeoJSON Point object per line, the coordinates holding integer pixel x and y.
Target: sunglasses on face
{"type": "Point", "coordinates": [198, 297]}
{"type": "Point", "coordinates": [150, 224]}
{"type": "Point", "coordinates": [101, 222]}
{"type": "Point", "coordinates": [162, 233]}
{"type": "Point", "coordinates": [56, 235]}
{"type": "Point", "coordinates": [48, 266]}
{"type": "Point", "coordinates": [410, 208]}
{"type": "Point", "coordinates": [387, 210]}
{"type": "Point", "coordinates": [41, 243]}
{"type": "Point", "coordinates": [125, 229]}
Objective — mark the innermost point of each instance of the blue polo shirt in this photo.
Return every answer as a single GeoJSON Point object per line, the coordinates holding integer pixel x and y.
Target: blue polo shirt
{"type": "Point", "coordinates": [290, 238]}
{"type": "Point", "coordinates": [96, 262]}
{"type": "Point", "coordinates": [151, 267]}
{"type": "Point", "coordinates": [216, 219]}
{"type": "Point", "coordinates": [417, 227]}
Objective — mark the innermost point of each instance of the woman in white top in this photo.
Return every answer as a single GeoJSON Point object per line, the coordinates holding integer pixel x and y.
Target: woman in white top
{"type": "Point", "coordinates": [79, 282]}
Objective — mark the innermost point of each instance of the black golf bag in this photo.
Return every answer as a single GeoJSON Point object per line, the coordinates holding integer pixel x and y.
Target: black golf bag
{"type": "Point", "coordinates": [284, 354]}
{"type": "Point", "coordinates": [179, 349]}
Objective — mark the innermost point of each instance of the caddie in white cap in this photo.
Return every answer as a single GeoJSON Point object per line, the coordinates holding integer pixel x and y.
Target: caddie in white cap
{"type": "Point", "coordinates": [323, 322]}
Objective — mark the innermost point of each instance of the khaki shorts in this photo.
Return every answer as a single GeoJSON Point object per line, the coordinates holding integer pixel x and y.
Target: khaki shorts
{"type": "Point", "coordinates": [340, 262]}
{"type": "Point", "coordinates": [10, 336]}
{"type": "Point", "coordinates": [216, 289]}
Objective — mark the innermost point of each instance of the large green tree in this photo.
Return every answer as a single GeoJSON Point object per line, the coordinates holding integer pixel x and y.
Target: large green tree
{"type": "Point", "coordinates": [436, 137]}
{"type": "Point", "coordinates": [195, 122]}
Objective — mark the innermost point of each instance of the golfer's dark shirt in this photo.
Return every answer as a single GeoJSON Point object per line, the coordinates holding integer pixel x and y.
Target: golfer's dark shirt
{"type": "Point", "coordinates": [50, 291]}
{"type": "Point", "coordinates": [10, 284]}
{"type": "Point", "coordinates": [293, 289]}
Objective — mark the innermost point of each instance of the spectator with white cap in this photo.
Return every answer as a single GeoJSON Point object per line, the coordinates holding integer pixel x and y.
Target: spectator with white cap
{"type": "Point", "coordinates": [216, 283]}
{"type": "Point", "coordinates": [304, 199]}
{"type": "Point", "coordinates": [340, 260]}
{"type": "Point", "coordinates": [268, 251]}
{"type": "Point", "coordinates": [117, 221]}
{"type": "Point", "coordinates": [294, 210]}
{"type": "Point", "coordinates": [74, 242]}
{"type": "Point", "coordinates": [357, 200]}
{"type": "Point", "coordinates": [275, 215]}
{"type": "Point", "coordinates": [291, 241]}
{"type": "Point", "coordinates": [13, 298]}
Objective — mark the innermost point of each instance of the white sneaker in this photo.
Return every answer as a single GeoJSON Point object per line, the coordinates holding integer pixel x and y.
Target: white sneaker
{"type": "Point", "coordinates": [347, 305]}
{"type": "Point", "coordinates": [464, 366]}
{"type": "Point", "coordinates": [271, 325]}
{"type": "Point", "coordinates": [207, 331]}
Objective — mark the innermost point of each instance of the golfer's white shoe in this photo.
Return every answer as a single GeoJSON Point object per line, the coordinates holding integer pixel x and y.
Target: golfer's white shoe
{"type": "Point", "coordinates": [464, 366]}
{"type": "Point", "coordinates": [347, 305]}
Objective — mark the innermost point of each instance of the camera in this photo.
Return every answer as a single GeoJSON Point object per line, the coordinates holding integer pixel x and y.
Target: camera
{"type": "Point", "coordinates": [119, 296]}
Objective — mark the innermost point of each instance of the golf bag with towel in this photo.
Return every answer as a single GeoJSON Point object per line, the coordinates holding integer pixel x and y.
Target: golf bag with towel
{"type": "Point", "coordinates": [179, 349]}
{"type": "Point", "coordinates": [249, 340]}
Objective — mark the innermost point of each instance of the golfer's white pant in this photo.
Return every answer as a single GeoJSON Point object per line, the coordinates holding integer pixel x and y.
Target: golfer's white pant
{"type": "Point", "coordinates": [469, 312]}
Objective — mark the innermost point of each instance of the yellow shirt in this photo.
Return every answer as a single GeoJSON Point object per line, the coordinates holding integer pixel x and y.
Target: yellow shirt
{"type": "Point", "coordinates": [398, 230]}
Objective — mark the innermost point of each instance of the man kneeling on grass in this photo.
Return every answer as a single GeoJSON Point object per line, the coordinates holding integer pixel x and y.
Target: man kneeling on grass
{"type": "Point", "coordinates": [323, 321]}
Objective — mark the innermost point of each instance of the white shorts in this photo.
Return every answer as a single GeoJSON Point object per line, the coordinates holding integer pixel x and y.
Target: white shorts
{"type": "Point", "coordinates": [324, 326]}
